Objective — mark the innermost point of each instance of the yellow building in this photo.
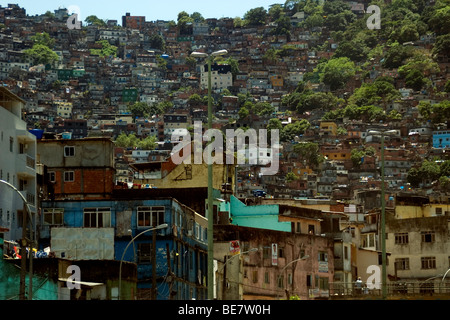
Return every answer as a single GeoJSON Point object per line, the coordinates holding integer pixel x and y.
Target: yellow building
{"type": "Point", "coordinates": [418, 239]}
{"type": "Point", "coordinates": [328, 128]}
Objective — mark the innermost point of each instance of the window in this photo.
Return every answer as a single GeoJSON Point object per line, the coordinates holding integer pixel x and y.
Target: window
{"type": "Point", "coordinates": [427, 236]}
{"type": "Point", "coordinates": [368, 240]}
{"type": "Point", "coordinates": [267, 253]}
{"type": "Point", "coordinates": [51, 176]}
{"type": "Point", "coordinates": [255, 276]}
{"type": "Point", "coordinates": [69, 176]}
{"type": "Point", "coordinates": [428, 262]}
{"type": "Point", "coordinates": [97, 217]}
{"type": "Point", "coordinates": [69, 151]}
{"type": "Point", "coordinates": [150, 216]}
{"type": "Point", "coordinates": [266, 277]}
{"type": "Point", "coordinates": [438, 211]}
{"type": "Point", "coordinates": [323, 256]}
{"type": "Point", "coordinates": [280, 252]}
{"type": "Point", "coordinates": [298, 227]}
{"type": "Point", "coordinates": [281, 281]}
{"type": "Point", "coordinates": [308, 281]}
{"type": "Point", "coordinates": [402, 263]}
{"type": "Point", "coordinates": [53, 216]}
{"type": "Point", "coordinates": [145, 252]}
{"type": "Point", "coordinates": [401, 238]}
{"type": "Point", "coordinates": [11, 144]}
{"type": "Point", "coordinates": [289, 279]}
{"type": "Point", "coordinates": [322, 283]}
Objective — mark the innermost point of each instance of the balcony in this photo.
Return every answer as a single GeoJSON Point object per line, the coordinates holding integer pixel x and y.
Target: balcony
{"type": "Point", "coordinates": [26, 166]}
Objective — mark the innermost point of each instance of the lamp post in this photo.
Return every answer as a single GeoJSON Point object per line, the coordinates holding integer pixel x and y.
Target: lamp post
{"type": "Point", "coordinates": [383, 212]}
{"type": "Point", "coordinates": [226, 261]}
{"type": "Point", "coordinates": [282, 270]}
{"type": "Point", "coordinates": [31, 242]}
{"type": "Point", "coordinates": [161, 226]}
{"type": "Point", "coordinates": [209, 58]}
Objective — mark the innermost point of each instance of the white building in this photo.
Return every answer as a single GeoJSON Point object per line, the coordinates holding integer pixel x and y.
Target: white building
{"type": "Point", "coordinates": [17, 164]}
{"type": "Point", "coordinates": [221, 77]}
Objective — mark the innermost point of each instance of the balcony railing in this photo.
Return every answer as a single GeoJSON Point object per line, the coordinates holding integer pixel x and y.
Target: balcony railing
{"type": "Point", "coordinates": [31, 163]}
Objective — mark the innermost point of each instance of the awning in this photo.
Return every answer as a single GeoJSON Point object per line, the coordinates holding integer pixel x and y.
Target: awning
{"type": "Point", "coordinates": [84, 283]}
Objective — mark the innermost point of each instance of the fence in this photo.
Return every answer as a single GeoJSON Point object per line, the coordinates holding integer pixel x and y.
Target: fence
{"type": "Point", "coordinates": [394, 288]}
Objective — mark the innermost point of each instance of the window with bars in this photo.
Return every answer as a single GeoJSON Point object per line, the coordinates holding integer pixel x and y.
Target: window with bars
{"type": "Point", "coordinates": [97, 217]}
{"type": "Point", "coordinates": [150, 216]}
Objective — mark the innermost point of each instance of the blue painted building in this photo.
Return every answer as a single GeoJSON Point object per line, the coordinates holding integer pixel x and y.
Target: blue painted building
{"type": "Point", "coordinates": [260, 216]}
{"type": "Point", "coordinates": [102, 229]}
{"type": "Point", "coordinates": [441, 139]}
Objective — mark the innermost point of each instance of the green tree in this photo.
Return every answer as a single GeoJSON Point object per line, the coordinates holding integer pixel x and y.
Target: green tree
{"type": "Point", "coordinates": [195, 100]}
{"type": "Point", "coordinates": [275, 12]}
{"type": "Point", "coordinates": [149, 143]}
{"type": "Point", "coordinates": [415, 80]}
{"type": "Point", "coordinates": [157, 42]}
{"type": "Point", "coordinates": [274, 124]}
{"type": "Point", "coordinates": [356, 50]}
{"type": "Point", "coordinates": [256, 17]}
{"type": "Point", "coordinates": [337, 72]}
{"type": "Point", "coordinates": [291, 130]}
{"type": "Point", "coordinates": [396, 55]}
{"type": "Point", "coordinates": [197, 17]}
{"type": "Point", "coordinates": [310, 152]}
{"type": "Point", "coordinates": [447, 86]}
{"type": "Point", "coordinates": [93, 20]}
{"type": "Point", "coordinates": [440, 20]}
{"type": "Point", "coordinates": [429, 171]}
{"type": "Point", "coordinates": [442, 45]}
{"type": "Point", "coordinates": [184, 23]}
{"type": "Point", "coordinates": [421, 61]}
{"type": "Point", "coordinates": [263, 108]}
{"type": "Point", "coordinates": [380, 91]}
{"type": "Point", "coordinates": [317, 100]}
{"type": "Point", "coordinates": [106, 49]}
{"type": "Point", "coordinates": [243, 113]}
{"type": "Point", "coordinates": [283, 26]}
{"type": "Point", "coordinates": [126, 141]}
{"type": "Point", "coordinates": [139, 109]}
{"type": "Point", "coordinates": [290, 177]}
{"type": "Point", "coordinates": [43, 39]}
{"type": "Point", "coordinates": [41, 54]}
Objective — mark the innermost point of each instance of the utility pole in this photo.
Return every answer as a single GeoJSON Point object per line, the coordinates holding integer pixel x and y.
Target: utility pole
{"type": "Point", "coordinates": [23, 253]}
{"type": "Point", "coordinates": [383, 225]}
{"type": "Point", "coordinates": [154, 263]}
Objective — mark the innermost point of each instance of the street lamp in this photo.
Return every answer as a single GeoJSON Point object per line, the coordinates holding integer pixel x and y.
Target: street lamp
{"type": "Point", "coordinates": [32, 241]}
{"type": "Point", "coordinates": [383, 210]}
{"type": "Point", "coordinates": [161, 226]}
{"type": "Point", "coordinates": [210, 235]}
{"type": "Point", "coordinates": [226, 261]}
{"type": "Point", "coordinates": [282, 270]}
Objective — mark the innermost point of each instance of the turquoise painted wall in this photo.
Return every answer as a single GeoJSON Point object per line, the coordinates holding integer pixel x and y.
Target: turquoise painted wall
{"type": "Point", "coordinates": [43, 287]}
{"type": "Point", "coordinates": [260, 216]}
